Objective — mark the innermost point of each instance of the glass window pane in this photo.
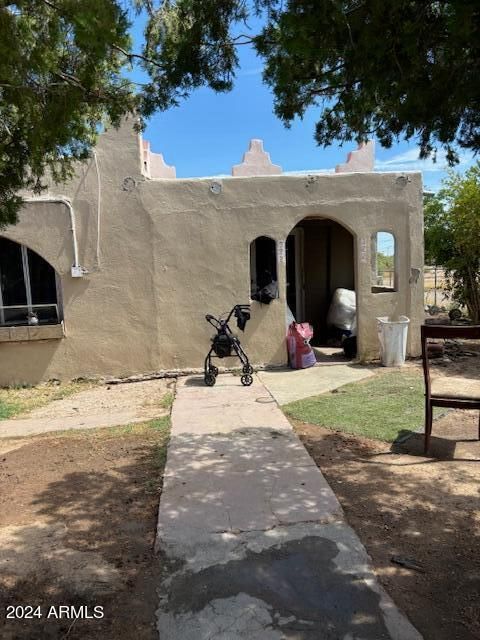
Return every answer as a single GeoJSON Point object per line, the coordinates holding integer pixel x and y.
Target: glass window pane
{"type": "Point", "coordinates": [42, 280]}
{"type": "Point", "coordinates": [383, 262]}
{"type": "Point", "coordinates": [263, 269]}
{"type": "Point", "coordinates": [11, 273]}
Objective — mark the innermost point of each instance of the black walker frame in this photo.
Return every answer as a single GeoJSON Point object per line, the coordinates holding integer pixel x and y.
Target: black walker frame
{"type": "Point", "coordinates": [224, 342]}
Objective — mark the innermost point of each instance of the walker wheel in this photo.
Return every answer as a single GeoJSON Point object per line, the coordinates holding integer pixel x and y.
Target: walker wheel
{"type": "Point", "coordinates": [210, 379]}
{"type": "Point", "coordinates": [246, 380]}
{"type": "Point", "coordinates": [248, 369]}
{"type": "Point", "coordinates": [213, 370]}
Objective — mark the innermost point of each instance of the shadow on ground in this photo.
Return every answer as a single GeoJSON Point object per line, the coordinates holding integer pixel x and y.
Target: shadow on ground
{"type": "Point", "coordinates": [424, 509]}
{"type": "Point", "coordinates": [77, 525]}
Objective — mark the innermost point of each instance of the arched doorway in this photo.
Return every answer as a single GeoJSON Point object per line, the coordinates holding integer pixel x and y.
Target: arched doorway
{"type": "Point", "coordinates": [29, 287]}
{"type": "Point", "coordinates": [319, 260]}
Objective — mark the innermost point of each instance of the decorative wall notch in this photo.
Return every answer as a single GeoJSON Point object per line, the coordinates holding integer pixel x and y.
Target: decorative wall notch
{"type": "Point", "coordinates": [360, 160]}
{"type": "Point", "coordinates": [256, 162]}
{"type": "Point", "coordinates": [153, 164]}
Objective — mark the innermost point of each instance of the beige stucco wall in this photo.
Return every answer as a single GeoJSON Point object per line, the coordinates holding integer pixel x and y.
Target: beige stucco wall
{"type": "Point", "coordinates": [172, 251]}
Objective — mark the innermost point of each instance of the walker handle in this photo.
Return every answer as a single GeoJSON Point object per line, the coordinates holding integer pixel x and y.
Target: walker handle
{"type": "Point", "coordinates": [213, 321]}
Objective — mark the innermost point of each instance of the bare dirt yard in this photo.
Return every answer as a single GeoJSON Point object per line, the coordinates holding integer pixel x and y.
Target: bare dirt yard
{"type": "Point", "coordinates": [78, 516]}
{"type": "Point", "coordinates": [425, 509]}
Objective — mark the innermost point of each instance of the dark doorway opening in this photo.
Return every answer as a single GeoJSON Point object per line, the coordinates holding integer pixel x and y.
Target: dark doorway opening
{"type": "Point", "coordinates": [319, 260]}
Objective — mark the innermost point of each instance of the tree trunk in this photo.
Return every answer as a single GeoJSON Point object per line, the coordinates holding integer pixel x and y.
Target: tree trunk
{"type": "Point", "coordinates": [472, 295]}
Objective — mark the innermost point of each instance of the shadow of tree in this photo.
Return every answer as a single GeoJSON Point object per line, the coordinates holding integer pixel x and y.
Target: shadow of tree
{"type": "Point", "coordinates": [401, 503]}
{"type": "Point", "coordinates": [78, 529]}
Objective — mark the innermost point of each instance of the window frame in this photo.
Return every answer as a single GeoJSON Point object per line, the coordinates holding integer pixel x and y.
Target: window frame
{"type": "Point", "coordinates": [376, 288]}
{"type": "Point", "coordinates": [252, 256]}
{"type": "Point", "coordinates": [28, 289]}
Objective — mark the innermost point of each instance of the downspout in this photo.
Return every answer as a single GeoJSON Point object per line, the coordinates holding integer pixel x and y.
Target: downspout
{"type": "Point", "coordinates": [77, 270]}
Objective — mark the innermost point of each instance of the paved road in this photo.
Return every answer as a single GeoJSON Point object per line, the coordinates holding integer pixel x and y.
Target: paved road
{"type": "Point", "coordinates": [255, 543]}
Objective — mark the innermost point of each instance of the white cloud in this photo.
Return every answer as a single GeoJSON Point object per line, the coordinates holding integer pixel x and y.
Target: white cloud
{"type": "Point", "coordinates": [410, 161]}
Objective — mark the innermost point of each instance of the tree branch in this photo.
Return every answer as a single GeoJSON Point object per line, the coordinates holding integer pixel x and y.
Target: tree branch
{"type": "Point", "coordinates": [51, 5]}
{"type": "Point", "coordinates": [130, 56]}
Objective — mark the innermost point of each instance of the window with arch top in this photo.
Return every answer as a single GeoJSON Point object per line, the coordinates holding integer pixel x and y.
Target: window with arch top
{"type": "Point", "coordinates": [384, 262]}
{"type": "Point", "coordinates": [29, 287]}
{"type": "Point", "coordinates": [263, 269]}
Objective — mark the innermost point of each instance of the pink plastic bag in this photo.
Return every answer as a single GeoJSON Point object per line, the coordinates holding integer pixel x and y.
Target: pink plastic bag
{"type": "Point", "coordinates": [300, 353]}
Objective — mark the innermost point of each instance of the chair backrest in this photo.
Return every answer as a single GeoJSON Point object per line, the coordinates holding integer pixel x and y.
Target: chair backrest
{"type": "Point", "coordinates": [445, 332]}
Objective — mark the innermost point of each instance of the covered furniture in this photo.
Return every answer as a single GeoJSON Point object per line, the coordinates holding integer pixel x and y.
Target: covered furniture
{"type": "Point", "coordinates": [448, 391]}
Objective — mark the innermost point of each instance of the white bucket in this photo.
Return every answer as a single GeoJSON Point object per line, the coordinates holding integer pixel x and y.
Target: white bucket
{"type": "Point", "coordinates": [393, 340]}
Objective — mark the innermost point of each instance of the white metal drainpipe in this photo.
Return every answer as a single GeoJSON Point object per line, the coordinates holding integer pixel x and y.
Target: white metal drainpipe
{"type": "Point", "coordinates": [77, 270]}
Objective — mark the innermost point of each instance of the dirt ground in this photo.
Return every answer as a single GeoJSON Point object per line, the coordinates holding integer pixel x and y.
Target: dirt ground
{"type": "Point", "coordinates": [77, 523]}
{"type": "Point", "coordinates": [426, 509]}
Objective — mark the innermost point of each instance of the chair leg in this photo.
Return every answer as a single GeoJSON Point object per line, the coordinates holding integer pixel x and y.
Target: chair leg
{"type": "Point", "coordinates": [428, 425]}
{"type": "Point", "coordinates": [479, 425]}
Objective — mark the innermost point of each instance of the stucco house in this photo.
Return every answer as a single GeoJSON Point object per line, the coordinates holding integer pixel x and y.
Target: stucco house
{"type": "Point", "coordinates": [112, 273]}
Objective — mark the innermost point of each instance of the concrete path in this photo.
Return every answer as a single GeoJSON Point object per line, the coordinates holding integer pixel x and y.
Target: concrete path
{"type": "Point", "coordinates": [101, 406]}
{"type": "Point", "coordinates": [288, 385]}
{"type": "Point", "coordinates": [254, 540]}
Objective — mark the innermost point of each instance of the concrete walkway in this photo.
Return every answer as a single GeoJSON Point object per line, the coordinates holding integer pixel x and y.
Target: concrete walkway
{"type": "Point", "coordinates": [287, 385]}
{"type": "Point", "coordinates": [254, 540]}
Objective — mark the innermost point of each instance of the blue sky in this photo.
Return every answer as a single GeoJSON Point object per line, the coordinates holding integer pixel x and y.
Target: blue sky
{"type": "Point", "coordinates": [209, 132]}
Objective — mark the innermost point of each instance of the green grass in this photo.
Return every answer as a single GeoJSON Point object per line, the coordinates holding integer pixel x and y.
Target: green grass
{"type": "Point", "coordinates": [385, 406]}
{"type": "Point", "coordinates": [158, 427]}
{"type": "Point", "coordinates": [167, 400]}
{"type": "Point", "coordinates": [8, 409]}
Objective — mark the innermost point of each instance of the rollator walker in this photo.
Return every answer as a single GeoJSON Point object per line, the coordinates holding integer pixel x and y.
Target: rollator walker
{"type": "Point", "coordinates": [225, 344]}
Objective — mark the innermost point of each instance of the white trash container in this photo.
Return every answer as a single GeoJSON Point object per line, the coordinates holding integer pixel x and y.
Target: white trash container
{"type": "Point", "coordinates": [393, 340]}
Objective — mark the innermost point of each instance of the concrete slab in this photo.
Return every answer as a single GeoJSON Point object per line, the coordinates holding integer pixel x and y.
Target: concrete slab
{"type": "Point", "coordinates": [254, 540]}
{"type": "Point", "coordinates": [288, 385]}
{"type": "Point", "coordinates": [226, 407]}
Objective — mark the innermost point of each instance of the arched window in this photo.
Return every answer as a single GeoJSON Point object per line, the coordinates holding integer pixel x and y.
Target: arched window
{"type": "Point", "coordinates": [384, 273]}
{"type": "Point", "coordinates": [263, 269]}
{"type": "Point", "coordinates": [28, 287]}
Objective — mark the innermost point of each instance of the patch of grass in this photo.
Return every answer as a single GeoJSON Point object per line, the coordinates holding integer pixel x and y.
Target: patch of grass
{"type": "Point", "coordinates": [156, 427]}
{"type": "Point", "coordinates": [167, 401]}
{"type": "Point", "coordinates": [383, 407]}
{"type": "Point", "coordinates": [8, 409]}
{"type": "Point", "coordinates": [22, 399]}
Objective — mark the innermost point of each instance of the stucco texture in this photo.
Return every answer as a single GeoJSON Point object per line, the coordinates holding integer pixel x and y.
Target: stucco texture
{"type": "Point", "coordinates": [173, 250]}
